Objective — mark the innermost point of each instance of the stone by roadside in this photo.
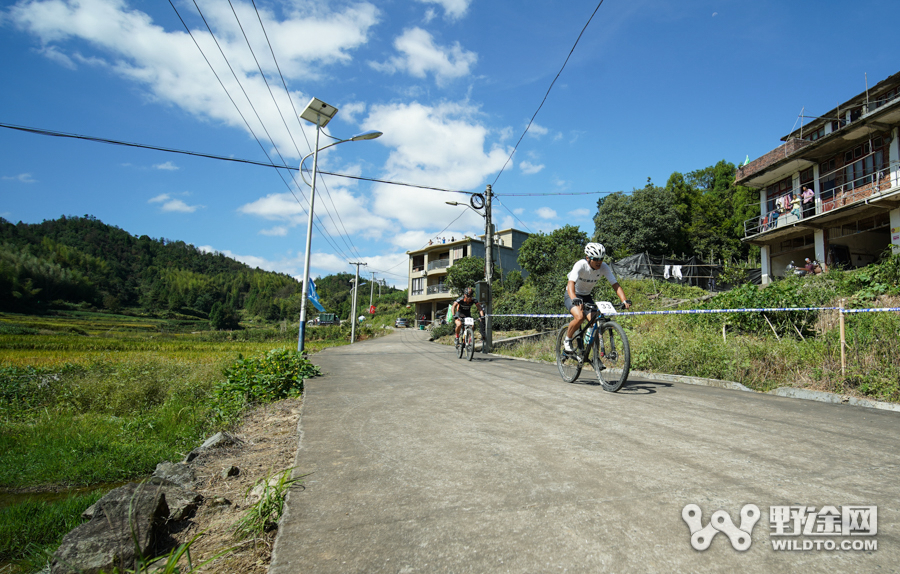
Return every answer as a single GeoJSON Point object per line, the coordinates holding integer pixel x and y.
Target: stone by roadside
{"type": "Point", "coordinates": [204, 496]}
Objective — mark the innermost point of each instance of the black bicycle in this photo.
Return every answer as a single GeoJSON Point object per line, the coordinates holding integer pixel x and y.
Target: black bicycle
{"type": "Point", "coordinates": [611, 357]}
{"type": "Point", "coordinates": [465, 345]}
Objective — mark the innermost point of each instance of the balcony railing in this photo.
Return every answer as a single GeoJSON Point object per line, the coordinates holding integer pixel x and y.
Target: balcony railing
{"type": "Point", "coordinates": [839, 196]}
{"type": "Point", "coordinates": [438, 264]}
{"type": "Point", "coordinates": [435, 289]}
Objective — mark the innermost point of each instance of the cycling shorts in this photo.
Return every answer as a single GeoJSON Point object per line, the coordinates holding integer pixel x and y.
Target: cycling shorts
{"type": "Point", "coordinates": [584, 298]}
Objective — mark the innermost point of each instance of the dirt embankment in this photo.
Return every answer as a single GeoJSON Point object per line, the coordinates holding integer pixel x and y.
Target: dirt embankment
{"type": "Point", "coordinates": [269, 436]}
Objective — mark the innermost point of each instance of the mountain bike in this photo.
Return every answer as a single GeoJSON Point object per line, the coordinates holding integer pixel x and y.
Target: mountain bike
{"type": "Point", "coordinates": [611, 358]}
{"type": "Point", "coordinates": [466, 343]}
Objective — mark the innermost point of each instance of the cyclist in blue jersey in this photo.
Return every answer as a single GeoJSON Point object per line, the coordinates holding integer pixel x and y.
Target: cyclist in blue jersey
{"type": "Point", "coordinates": [582, 279]}
{"type": "Point", "coordinates": [462, 308]}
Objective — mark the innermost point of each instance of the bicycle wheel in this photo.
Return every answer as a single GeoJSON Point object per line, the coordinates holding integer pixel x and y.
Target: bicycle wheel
{"type": "Point", "coordinates": [612, 356]}
{"type": "Point", "coordinates": [568, 364]}
{"type": "Point", "coordinates": [460, 347]}
{"type": "Point", "coordinates": [470, 343]}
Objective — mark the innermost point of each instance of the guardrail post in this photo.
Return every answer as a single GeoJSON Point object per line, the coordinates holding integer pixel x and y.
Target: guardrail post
{"type": "Point", "coordinates": [843, 343]}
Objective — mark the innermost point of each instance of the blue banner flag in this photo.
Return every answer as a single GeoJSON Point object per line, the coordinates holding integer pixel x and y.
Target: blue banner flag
{"type": "Point", "coordinates": [314, 297]}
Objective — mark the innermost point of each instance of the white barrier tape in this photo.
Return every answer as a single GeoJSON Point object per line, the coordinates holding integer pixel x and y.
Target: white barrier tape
{"type": "Point", "coordinates": [711, 311]}
{"type": "Point", "coordinates": [871, 310]}
{"type": "Point", "coordinates": [689, 312]}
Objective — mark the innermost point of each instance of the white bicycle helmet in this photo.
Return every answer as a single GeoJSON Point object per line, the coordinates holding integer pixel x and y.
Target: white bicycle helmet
{"type": "Point", "coordinates": [595, 250]}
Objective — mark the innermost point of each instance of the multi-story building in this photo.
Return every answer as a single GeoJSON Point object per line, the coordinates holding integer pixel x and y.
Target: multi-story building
{"type": "Point", "coordinates": [831, 192]}
{"type": "Point", "coordinates": [428, 267]}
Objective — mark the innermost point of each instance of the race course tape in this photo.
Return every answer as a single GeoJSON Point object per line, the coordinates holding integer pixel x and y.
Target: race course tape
{"type": "Point", "coordinates": [711, 311]}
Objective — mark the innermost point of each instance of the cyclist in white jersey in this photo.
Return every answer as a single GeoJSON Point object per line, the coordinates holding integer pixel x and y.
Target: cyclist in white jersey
{"type": "Point", "coordinates": [582, 279]}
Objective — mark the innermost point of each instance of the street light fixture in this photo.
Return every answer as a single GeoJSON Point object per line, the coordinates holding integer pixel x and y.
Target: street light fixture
{"type": "Point", "coordinates": [319, 113]}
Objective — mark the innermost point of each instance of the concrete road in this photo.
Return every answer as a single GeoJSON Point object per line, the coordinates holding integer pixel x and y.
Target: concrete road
{"type": "Point", "coordinates": [422, 462]}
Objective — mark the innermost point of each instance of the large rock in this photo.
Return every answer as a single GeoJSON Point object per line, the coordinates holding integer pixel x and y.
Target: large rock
{"type": "Point", "coordinates": [218, 440]}
{"type": "Point", "coordinates": [127, 522]}
{"type": "Point", "coordinates": [179, 473]}
{"type": "Point", "coordinates": [182, 502]}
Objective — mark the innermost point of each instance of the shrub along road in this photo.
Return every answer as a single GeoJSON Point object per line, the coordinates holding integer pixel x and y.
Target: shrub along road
{"type": "Point", "coordinates": [422, 462]}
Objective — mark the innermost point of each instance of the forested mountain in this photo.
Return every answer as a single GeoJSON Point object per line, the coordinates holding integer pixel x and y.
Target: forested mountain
{"type": "Point", "coordinates": [81, 260]}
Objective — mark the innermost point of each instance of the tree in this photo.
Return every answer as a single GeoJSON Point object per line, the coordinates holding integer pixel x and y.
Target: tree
{"type": "Point", "coordinates": [465, 273]}
{"type": "Point", "coordinates": [548, 258]}
{"type": "Point", "coordinates": [223, 317]}
{"type": "Point", "coordinates": [641, 222]}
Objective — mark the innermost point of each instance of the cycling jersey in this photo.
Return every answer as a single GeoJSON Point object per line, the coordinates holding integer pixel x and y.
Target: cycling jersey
{"type": "Point", "coordinates": [464, 309]}
{"type": "Point", "coordinates": [586, 278]}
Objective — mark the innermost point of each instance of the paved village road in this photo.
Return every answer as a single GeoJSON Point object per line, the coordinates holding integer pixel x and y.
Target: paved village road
{"type": "Point", "coordinates": [422, 462]}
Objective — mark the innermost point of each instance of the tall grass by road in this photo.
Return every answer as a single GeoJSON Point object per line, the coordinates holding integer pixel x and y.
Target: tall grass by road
{"type": "Point", "coordinates": [768, 350]}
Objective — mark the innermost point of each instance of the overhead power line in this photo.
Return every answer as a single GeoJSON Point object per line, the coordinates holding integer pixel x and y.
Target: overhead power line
{"type": "Point", "coordinates": [548, 91]}
{"type": "Point", "coordinates": [54, 133]}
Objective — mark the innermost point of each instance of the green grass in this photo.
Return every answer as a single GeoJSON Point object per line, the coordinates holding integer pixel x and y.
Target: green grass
{"type": "Point", "coordinates": [799, 349]}
{"type": "Point", "coordinates": [89, 399]}
{"type": "Point", "coordinates": [30, 531]}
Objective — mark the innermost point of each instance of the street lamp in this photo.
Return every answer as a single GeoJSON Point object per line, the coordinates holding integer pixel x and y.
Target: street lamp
{"type": "Point", "coordinates": [319, 113]}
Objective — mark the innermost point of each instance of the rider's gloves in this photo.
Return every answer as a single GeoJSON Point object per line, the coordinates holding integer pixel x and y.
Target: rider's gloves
{"type": "Point", "coordinates": [577, 302]}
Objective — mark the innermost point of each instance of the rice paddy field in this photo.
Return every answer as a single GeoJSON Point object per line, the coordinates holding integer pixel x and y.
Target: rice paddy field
{"type": "Point", "coordinates": [89, 400]}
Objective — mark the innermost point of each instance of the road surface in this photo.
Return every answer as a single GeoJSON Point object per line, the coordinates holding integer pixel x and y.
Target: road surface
{"type": "Point", "coordinates": [422, 462]}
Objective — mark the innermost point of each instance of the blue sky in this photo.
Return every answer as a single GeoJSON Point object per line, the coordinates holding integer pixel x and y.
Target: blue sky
{"type": "Point", "coordinates": [653, 87]}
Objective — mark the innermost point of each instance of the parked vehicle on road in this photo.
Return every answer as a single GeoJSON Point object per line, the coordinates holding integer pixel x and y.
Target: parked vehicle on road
{"type": "Point", "coordinates": [401, 322]}
{"type": "Point", "coordinates": [328, 319]}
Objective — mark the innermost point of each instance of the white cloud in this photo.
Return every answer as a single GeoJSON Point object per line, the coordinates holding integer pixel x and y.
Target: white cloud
{"type": "Point", "coordinates": [529, 168]}
{"type": "Point", "coordinates": [546, 213]}
{"type": "Point", "coordinates": [21, 178]}
{"type": "Point", "coordinates": [537, 131]}
{"type": "Point", "coordinates": [455, 9]}
{"type": "Point", "coordinates": [170, 204]}
{"type": "Point", "coordinates": [419, 56]}
{"type": "Point", "coordinates": [130, 44]}
{"type": "Point", "coordinates": [580, 213]}
{"type": "Point", "coordinates": [351, 110]}
{"type": "Point", "coordinates": [63, 60]}
{"type": "Point", "coordinates": [168, 166]}
{"type": "Point", "coordinates": [442, 146]}
{"type": "Point", "coordinates": [278, 231]}
{"type": "Point", "coordinates": [519, 210]}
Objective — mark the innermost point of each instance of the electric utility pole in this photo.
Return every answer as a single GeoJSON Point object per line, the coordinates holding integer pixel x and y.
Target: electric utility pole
{"type": "Point", "coordinates": [353, 309]}
{"type": "Point", "coordinates": [488, 269]}
{"type": "Point", "coordinates": [372, 290]}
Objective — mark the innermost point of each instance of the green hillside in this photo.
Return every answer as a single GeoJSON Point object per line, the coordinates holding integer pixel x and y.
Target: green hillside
{"type": "Point", "coordinates": [85, 263]}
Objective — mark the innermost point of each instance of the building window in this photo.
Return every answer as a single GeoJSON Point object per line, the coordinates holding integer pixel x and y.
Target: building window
{"type": "Point", "coordinates": [776, 190]}
{"type": "Point", "coordinates": [418, 262]}
{"type": "Point", "coordinates": [813, 136]}
{"type": "Point", "coordinates": [418, 285]}
{"type": "Point", "coordinates": [862, 162]}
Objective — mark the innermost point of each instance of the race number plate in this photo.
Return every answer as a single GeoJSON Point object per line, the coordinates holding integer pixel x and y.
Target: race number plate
{"type": "Point", "coordinates": [469, 321]}
{"type": "Point", "coordinates": [606, 308]}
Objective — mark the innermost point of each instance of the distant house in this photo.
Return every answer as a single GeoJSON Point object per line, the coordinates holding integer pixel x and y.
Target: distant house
{"type": "Point", "coordinates": [428, 267]}
{"type": "Point", "coordinates": [849, 159]}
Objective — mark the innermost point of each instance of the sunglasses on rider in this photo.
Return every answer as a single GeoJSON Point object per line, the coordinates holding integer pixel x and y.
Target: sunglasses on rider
{"type": "Point", "coordinates": [596, 259]}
